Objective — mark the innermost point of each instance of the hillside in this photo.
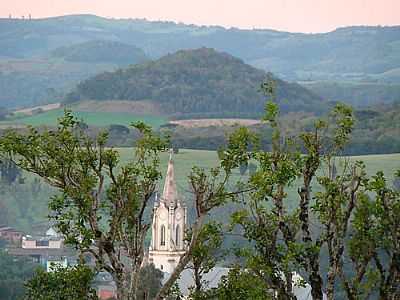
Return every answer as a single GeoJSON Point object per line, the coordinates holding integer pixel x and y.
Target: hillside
{"type": "Point", "coordinates": [45, 79]}
{"type": "Point", "coordinates": [196, 83]}
{"type": "Point", "coordinates": [31, 82]}
{"type": "Point", "coordinates": [356, 93]}
{"type": "Point", "coordinates": [101, 52]}
{"type": "Point", "coordinates": [351, 54]}
{"type": "Point", "coordinates": [346, 53]}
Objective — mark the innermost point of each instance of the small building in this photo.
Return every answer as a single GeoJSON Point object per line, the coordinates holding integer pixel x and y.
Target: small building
{"type": "Point", "coordinates": [52, 232]}
{"type": "Point", "coordinates": [43, 249]}
{"type": "Point", "coordinates": [41, 242]}
{"type": "Point", "coordinates": [11, 235]}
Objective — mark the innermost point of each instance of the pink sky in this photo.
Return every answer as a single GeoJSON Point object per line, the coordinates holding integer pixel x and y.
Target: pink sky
{"type": "Point", "coordinates": [290, 15]}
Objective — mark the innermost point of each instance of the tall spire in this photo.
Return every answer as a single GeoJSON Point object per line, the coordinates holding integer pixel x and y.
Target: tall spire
{"type": "Point", "coordinates": [170, 193]}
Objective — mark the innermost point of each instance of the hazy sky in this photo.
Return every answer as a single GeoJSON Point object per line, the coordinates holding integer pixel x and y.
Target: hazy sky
{"type": "Point", "coordinates": [290, 15]}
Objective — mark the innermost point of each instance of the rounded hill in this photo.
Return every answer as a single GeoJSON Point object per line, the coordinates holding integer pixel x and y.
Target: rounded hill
{"type": "Point", "coordinates": [196, 83]}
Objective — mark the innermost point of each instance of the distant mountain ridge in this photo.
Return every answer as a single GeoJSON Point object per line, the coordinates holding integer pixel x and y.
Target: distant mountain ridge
{"type": "Point", "coordinates": [196, 83]}
{"type": "Point", "coordinates": [346, 53]}
{"type": "Point", "coordinates": [30, 75]}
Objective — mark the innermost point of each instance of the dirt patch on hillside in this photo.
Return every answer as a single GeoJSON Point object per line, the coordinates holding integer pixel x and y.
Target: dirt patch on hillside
{"type": "Point", "coordinates": [144, 107]}
{"type": "Point", "coordinates": [42, 108]}
{"type": "Point", "coordinates": [214, 122]}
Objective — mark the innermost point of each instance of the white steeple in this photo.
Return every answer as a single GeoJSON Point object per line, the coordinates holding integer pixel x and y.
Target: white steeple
{"type": "Point", "coordinates": [169, 225]}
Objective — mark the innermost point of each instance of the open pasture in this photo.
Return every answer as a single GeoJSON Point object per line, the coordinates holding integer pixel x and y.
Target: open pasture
{"type": "Point", "coordinates": [99, 119]}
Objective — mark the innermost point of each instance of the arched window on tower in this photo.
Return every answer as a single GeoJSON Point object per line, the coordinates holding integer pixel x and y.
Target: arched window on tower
{"type": "Point", "coordinates": [162, 235]}
{"type": "Point", "coordinates": [178, 237]}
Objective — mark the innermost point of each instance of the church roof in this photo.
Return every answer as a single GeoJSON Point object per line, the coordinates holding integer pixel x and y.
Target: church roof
{"type": "Point", "coordinates": [170, 193]}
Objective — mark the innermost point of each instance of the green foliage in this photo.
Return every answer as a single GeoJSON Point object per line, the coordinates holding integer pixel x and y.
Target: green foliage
{"type": "Point", "coordinates": [62, 283]}
{"type": "Point", "coordinates": [13, 273]}
{"type": "Point", "coordinates": [150, 283]}
{"type": "Point", "coordinates": [206, 254]}
{"type": "Point", "coordinates": [349, 222]}
{"type": "Point", "coordinates": [88, 210]}
{"type": "Point", "coordinates": [242, 285]}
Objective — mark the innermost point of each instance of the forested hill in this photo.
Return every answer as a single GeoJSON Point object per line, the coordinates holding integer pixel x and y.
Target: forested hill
{"type": "Point", "coordinates": [101, 51]}
{"type": "Point", "coordinates": [201, 82]}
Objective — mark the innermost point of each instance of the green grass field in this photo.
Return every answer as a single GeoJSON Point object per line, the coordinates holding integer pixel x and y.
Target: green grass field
{"type": "Point", "coordinates": [186, 159]}
{"type": "Point", "coordinates": [99, 119]}
{"type": "Point", "coordinates": [27, 203]}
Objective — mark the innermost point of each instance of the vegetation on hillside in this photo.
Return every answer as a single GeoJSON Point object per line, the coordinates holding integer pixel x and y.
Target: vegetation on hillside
{"type": "Point", "coordinates": [358, 94]}
{"type": "Point", "coordinates": [25, 83]}
{"type": "Point", "coordinates": [376, 131]}
{"type": "Point", "coordinates": [200, 82]}
{"type": "Point", "coordinates": [99, 51]}
{"type": "Point", "coordinates": [346, 53]}
{"type": "Point", "coordinates": [46, 78]}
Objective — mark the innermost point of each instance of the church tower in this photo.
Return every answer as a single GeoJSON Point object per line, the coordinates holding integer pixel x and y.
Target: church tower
{"type": "Point", "coordinates": [169, 225]}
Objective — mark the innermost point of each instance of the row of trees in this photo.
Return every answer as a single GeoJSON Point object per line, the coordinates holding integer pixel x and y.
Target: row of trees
{"type": "Point", "coordinates": [340, 213]}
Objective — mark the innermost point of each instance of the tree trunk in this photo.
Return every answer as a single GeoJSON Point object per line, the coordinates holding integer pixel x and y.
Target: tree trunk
{"type": "Point", "coordinates": [197, 277]}
{"type": "Point", "coordinates": [316, 285]}
{"type": "Point", "coordinates": [122, 290]}
{"type": "Point", "coordinates": [133, 282]}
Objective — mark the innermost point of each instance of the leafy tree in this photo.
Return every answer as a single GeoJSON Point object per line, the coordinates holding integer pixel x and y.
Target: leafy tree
{"type": "Point", "coordinates": [241, 285]}
{"type": "Point", "coordinates": [374, 247]}
{"type": "Point", "coordinates": [102, 206]}
{"type": "Point", "coordinates": [62, 283]}
{"type": "Point", "coordinates": [205, 257]}
{"type": "Point", "coordinates": [151, 282]}
{"type": "Point", "coordinates": [288, 237]}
